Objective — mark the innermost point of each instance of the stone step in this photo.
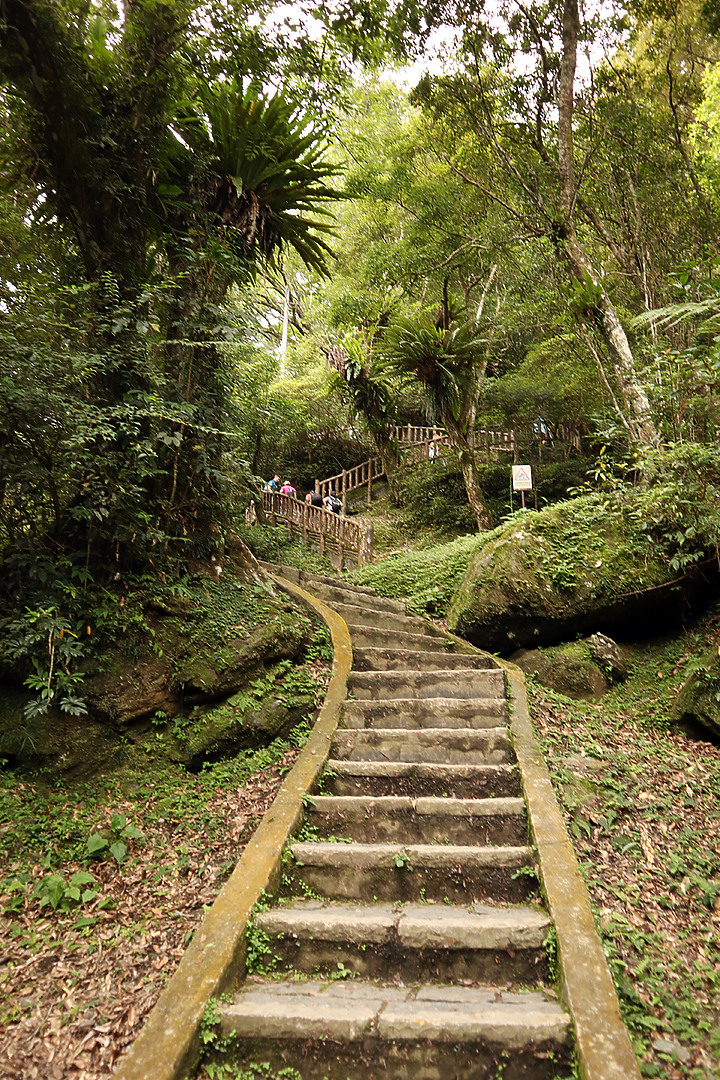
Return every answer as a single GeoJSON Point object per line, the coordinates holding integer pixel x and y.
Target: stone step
{"type": "Point", "coordinates": [371, 819]}
{"type": "Point", "coordinates": [462, 683]}
{"type": "Point", "coordinates": [366, 614]}
{"type": "Point", "coordinates": [448, 872]}
{"type": "Point", "coordinates": [333, 590]}
{"type": "Point", "coordinates": [306, 578]}
{"type": "Point", "coordinates": [340, 593]}
{"type": "Point", "coordinates": [480, 712]}
{"type": "Point", "coordinates": [415, 778]}
{"type": "Point", "coordinates": [452, 746]}
{"type": "Point", "coordinates": [372, 637]}
{"type": "Point", "coordinates": [428, 942]}
{"type": "Point", "coordinates": [354, 1030]}
{"type": "Point", "coordinates": [371, 659]}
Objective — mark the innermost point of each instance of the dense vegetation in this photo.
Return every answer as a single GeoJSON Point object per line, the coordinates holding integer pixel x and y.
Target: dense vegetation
{"type": "Point", "coordinates": [225, 253]}
{"type": "Point", "coordinates": [237, 240]}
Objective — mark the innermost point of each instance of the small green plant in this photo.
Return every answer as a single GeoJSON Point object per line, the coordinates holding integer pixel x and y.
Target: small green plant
{"type": "Point", "coordinates": [62, 894]}
{"type": "Point", "coordinates": [210, 1037]}
{"type": "Point", "coordinates": [112, 841]}
{"type": "Point", "coordinates": [550, 944]}
{"type": "Point", "coordinates": [401, 861]}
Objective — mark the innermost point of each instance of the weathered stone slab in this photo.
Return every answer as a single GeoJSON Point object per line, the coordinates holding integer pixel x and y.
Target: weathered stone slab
{"type": "Point", "coordinates": [489, 746]}
{"type": "Point", "coordinates": [387, 777]}
{"type": "Point", "coordinates": [478, 712]}
{"type": "Point", "coordinates": [463, 683]}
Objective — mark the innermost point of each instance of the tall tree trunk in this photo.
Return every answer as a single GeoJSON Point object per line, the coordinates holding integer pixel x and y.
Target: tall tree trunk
{"type": "Point", "coordinates": [387, 449]}
{"type": "Point", "coordinates": [603, 311]}
{"type": "Point", "coordinates": [470, 473]}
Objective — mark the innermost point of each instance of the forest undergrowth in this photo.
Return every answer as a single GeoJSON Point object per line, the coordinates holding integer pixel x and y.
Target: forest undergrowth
{"type": "Point", "coordinates": [641, 798]}
{"type": "Point", "coordinates": [102, 886]}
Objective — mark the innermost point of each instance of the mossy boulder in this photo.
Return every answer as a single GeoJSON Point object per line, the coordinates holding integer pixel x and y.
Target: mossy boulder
{"type": "Point", "coordinates": [572, 569]}
{"type": "Point", "coordinates": [223, 730]}
{"type": "Point", "coordinates": [699, 699]}
{"type": "Point", "coordinates": [74, 745]}
{"type": "Point", "coordinates": [200, 655]}
{"type": "Point", "coordinates": [230, 635]}
{"type": "Point", "coordinates": [569, 669]}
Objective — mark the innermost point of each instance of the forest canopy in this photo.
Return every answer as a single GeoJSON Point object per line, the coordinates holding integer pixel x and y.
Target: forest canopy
{"type": "Point", "coordinates": [232, 242]}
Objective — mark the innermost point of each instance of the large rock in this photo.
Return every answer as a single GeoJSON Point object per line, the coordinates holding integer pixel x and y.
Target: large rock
{"type": "Point", "coordinates": [183, 677]}
{"type": "Point", "coordinates": [609, 657]}
{"type": "Point", "coordinates": [569, 669]}
{"type": "Point", "coordinates": [230, 635]}
{"type": "Point", "coordinates": [699, 699]}
{"type": "Point", "coordinates": [573, 568]}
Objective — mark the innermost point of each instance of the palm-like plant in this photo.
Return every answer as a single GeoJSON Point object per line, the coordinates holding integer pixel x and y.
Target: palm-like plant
{"type": "Point", "coordinates": [450, 365]}
{"type": "Point", "coordinates": [268, 185]}
{"type": "Point", "coordinates": [365, 386]}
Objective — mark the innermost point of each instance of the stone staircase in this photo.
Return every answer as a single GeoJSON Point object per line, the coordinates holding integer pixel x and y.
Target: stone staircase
{"type": "Point", "coordinates": [408, 940]}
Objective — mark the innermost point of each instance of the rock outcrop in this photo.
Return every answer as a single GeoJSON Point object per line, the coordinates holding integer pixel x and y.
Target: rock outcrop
{"type": "Point", "coordinates": [699, 699]}
{"type": "Point", "coordinates": [575, 568]}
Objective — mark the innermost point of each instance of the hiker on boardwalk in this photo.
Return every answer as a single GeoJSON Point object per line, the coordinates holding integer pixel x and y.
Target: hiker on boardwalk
{"type": "Point", "coordinates": [288, 489]}
{"type": "Point", "coordinates": [274, 484]}
{"type": "Point", "coordinates": [332, 503]}
{"type": "Point", "coordinates": [314, 498]}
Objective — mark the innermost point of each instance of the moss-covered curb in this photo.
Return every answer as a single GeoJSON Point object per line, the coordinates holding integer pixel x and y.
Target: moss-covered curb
{"type": "Point", "coordinates": [168, 1044]}
{"type": "Point", "coordinates": [603, 1044]}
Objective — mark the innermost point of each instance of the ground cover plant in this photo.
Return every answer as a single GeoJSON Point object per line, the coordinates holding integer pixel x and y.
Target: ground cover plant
{"type": "Point", "coordinates": [425, 577]}
{"type": "Point", "coordinates": [641, 798]}
{"type": "Point", "coordinates": [102, 886]}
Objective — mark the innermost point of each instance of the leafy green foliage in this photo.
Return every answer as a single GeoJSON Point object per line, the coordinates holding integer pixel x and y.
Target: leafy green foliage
{"type": "Point", "coordinates": [427, 578]}
{"type": "Point", "coordinates": [448, 363]}
{"type": "Point", "coordinates": [62, 894]}
{"type": "Point", "coordinates": [112, 840]}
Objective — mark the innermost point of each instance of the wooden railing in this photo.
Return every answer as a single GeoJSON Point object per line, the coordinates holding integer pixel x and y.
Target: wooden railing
{"type": "Point", "coordinates": [333, 534]}
{"type": "Point", "coordinates": [351, 479]}
{"type": "Point", "coordinates": [417, 444]}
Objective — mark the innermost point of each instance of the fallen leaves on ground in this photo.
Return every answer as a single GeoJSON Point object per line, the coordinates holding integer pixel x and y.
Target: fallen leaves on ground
{"type": "Point", "coordinates": [641, 800]}
{"type": "Point", "coordinates": [75, 996]}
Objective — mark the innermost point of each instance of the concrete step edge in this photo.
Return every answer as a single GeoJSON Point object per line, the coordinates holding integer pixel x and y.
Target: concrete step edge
{"type": "Point", "coordinates": [450, 771]}
{"type": "Point", "coordinates": [333, 853]}
{"type": "Point", "coordinates": [441, 1014]}
{"type": "Point", "coordinates": [411, 925]}
{"type": "Point", "coordinates": [424, 735]}
{"type": "Point", "coordinates": [425, 805]}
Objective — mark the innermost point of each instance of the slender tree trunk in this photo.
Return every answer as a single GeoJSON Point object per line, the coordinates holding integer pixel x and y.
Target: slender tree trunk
{"type": "Point", "coordinates": [470, 474]}
{"type": "Point", "coordinates": [604, 313]}
{"type": "Point", "coordinates": [387, 449]}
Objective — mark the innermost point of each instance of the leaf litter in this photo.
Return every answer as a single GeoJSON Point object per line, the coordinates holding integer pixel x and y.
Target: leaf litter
{"type": "Point", "coordinates": [76, 985]}
{"type": "Point", "coordinates": [641, 798]}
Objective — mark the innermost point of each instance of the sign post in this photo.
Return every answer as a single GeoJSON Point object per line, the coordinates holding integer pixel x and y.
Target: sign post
{"type": "Point", "coordinates": [522, 480]}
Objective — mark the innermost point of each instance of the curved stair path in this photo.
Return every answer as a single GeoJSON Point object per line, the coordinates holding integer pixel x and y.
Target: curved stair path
{"type": "Point", "coordinates": [413, 880]}
{"type": "Point", "coordinates": [407, 938]}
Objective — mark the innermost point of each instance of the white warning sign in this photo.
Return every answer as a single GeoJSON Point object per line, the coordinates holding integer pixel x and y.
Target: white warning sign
{"type": "Point", "coordinates": [522, 477]}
